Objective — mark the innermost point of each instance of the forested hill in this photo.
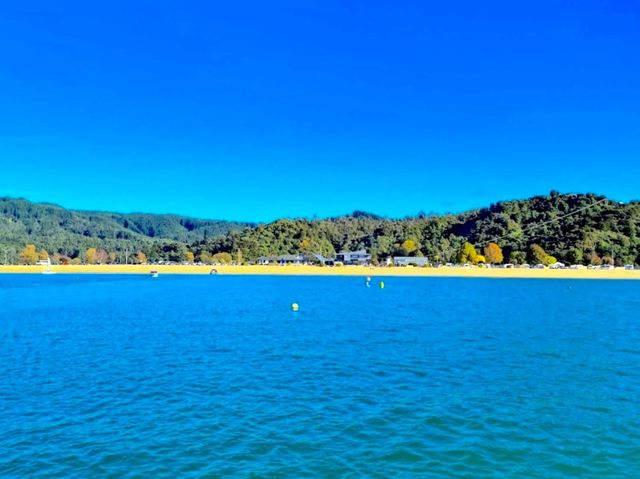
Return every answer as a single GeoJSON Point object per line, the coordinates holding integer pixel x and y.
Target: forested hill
{"type": "Point", "coordinates": [582, 228]}
{"type": "Point", "coordinates": [69, 232]}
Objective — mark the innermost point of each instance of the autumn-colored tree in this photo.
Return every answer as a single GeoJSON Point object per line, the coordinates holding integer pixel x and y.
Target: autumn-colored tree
{"type": "Point", "coordinates": [493, 253]}
{"type": "Point", "coordinates": [538, 255]}
{"type": "Point", "coordinates": [141, 257]}
{"type": "Point", "coordinates": [549, 260]}
{"type": "Point", "coordinates": [189, 257]}
{"type": "Point", "coordinates": [43, 255]}
{"type": "Point", "coordinates": [222, 258]}
{"type": "Point", "coordinates": [479, 259]}
{"type": "Point", "coordinates": [60, 259]}
{"type": "Point", "coordinates": [305, 245]}
{"type": "Point", "coordinates": [468, 254]}
{"type": "Point", "coordinates": [408, 247]}
{"type": "Point", "coordinates": [102, 257]}
{"type": "Point", "coordinates": [90, 256]}
{"type": "Point", "coordinates": [29, 255]}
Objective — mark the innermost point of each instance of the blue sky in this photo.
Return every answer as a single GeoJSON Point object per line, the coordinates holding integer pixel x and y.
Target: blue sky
{"type": "Point", "coordinates": [258, 110]}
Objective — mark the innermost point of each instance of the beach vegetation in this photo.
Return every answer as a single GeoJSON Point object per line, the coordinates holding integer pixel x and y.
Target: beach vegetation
{"type": "Point", "coordinates": [90, 255]}
{"type": "Point", "coordinates": [493, 253]}
{"type": "Point", "coordinates": [28, 255]}
{"type": "Point", "coordinates": [222, 258]}
{"type": "Point", "coordinates": [575, 229]}
{"type": "Point", "coordinates": [468, 254]}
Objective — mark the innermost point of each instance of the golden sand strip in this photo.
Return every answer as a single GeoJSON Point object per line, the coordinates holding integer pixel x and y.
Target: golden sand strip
{"type": "Point", "coordinates": [618, 273]}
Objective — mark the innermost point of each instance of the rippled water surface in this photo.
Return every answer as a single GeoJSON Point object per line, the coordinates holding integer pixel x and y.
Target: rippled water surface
{"type": "Point", "coordinates": [116, 376]}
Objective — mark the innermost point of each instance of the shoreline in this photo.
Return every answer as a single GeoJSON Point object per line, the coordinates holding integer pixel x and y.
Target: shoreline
{"type": "Point", "coordinates": [304, 270]}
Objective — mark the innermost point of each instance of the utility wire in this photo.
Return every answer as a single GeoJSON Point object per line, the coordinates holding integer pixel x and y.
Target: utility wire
{"type": "Point", "coordinates": [496, 240]}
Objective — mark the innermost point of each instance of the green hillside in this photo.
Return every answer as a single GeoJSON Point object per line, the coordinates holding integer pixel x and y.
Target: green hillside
{"type": "Point", "coordinates": [582, 228]}
{"type": "Point", "coordinates": [69, 232]}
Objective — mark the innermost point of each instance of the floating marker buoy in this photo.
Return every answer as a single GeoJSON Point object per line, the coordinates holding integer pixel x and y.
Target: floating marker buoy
{"type": "Point", "coordinates": [294, 307]}
{"type": "Point", "coordinates": [368, 279]}
{"type": "Point", "coordinates": [381, 284]}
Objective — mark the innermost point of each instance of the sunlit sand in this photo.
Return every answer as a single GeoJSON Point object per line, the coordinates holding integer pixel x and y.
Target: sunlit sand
{"type": "Point", "coordinates": [305, 270]}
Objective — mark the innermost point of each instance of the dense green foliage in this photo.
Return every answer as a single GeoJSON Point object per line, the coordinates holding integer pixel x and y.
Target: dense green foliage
{"type": "Point", "coordinates": [585, 229]}
{"type": "Point", "coordinates": [595, 230]}
{"type": "Point", "coordinates": [70, 233]}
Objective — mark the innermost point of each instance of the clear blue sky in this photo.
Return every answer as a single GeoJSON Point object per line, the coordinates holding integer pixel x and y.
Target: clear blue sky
{"type": "Point", "coordinates": [257, 110]}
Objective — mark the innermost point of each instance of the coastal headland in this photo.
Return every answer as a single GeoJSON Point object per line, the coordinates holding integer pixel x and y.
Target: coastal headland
{"type": "Point", "coordinates": [306, 270]}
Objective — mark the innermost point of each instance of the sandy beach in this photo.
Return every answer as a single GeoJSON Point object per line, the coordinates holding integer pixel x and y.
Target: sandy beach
{"type": "Point", "coordinates": [618, 273]}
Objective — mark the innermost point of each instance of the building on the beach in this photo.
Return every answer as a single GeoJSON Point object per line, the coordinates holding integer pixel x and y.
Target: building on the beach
{"type": "Point", "coordinates": [410, 260]}
{"type": "Point", "coordinates": [360, 257]}
{"type": "Point", "coordinates": [263, 260]}
{"type": "Point", "coordinates": [318, 258]}
{"type": "Point", "coordinates": [44, 262]}
{"type": "Point", "coordinates": [291, 259]}
{"type": "Point", "coordinates": [295, 259]}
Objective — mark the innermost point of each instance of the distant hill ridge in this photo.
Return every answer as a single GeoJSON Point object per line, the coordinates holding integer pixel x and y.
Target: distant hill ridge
{"type": "Point", "coordinates": [574, 228]}
{"type": "Point", "coordinates": [56, 228]}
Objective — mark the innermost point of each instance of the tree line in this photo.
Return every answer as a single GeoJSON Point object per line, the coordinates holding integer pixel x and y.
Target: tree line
{"type": "Point", "coordinates": [574, 229]}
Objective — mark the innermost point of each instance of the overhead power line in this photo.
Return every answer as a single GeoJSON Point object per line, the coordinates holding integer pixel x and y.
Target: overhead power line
{"type": "Point", "coordinates": [530, 227]}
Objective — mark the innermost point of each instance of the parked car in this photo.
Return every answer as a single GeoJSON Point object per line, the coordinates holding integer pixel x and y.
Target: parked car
{"type": "Point", "coordinates": [629, 267]}
{"type": "Point", "coordinates": [539, 266]}
{"type": "Point", "coordinates": [525, 266]}
{"type": "Point", "coordinates": [607, 266]}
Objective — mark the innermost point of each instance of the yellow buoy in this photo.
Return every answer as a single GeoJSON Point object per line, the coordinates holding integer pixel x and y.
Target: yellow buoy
{"type": "Point", "coordinates": [294, 307]}
{"type": "Point", "coordinates": [382, 284]}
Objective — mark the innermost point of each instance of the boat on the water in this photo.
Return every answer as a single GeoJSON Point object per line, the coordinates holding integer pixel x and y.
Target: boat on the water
{"type": "Point", "coordinates": [154, 274]}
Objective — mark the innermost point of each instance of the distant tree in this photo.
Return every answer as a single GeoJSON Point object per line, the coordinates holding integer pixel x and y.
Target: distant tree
{"type": "Point", "coordinates": [479, 259]}
{"type": "Point", "coordinates": [189, 257]}
{"type": "Point", "coordinates": [537, 255]}
{"type": "Point", "coordinates": [305, 245]}
{"type": "Point", "coordinates": [518, 257]}
{"type": "Point", "coordinates": [90, 255]}
{"type": "Point", "coordinates": [222, 258]}
{"type": "Point", "coordinates": [593, 258]}
{"type": "Point", "coordinates": [101, 257]}
{"type": "Point", "coordinates": [29, 255]}
{"type": "Point", "coordinates": [112, 257]}
{"type": "Point", "coordinates": [607, 260]}
{"type": "Point", "coordinates": [493, 253]}
{"type": "Point", "coordinates": [205, 257]}
{"type": "Point", "coordinates": [408, 247]}
{"type": "Point", "coordinates": [43, 255]}
{"type": "Point", "coordinates": [141, 257]}
{"type": "Point", "coordinates": [468, 254]}
{"type": "Point", "coordinates": [239, 257]}
{"type": "Point", "coordinates": [575, 256]}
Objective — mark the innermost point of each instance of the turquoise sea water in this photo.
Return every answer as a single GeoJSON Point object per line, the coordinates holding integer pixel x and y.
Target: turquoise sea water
{"type": "Point", "coordinates": [120, 376]}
